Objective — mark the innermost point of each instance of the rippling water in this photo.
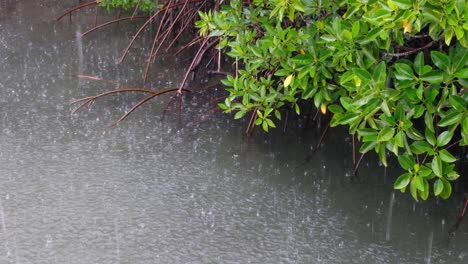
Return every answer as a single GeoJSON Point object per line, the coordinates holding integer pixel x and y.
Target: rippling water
{"type": "Point", "coordinates": [150, 191]}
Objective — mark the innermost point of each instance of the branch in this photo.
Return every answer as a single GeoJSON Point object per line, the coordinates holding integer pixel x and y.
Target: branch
{"type": "Point", "coordinates": [406, 53]}
{"type": "Point", "coordinates": [69, 11]}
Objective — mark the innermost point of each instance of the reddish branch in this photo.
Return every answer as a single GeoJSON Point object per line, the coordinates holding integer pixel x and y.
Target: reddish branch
{"type": "Point", "coordinates": [89, 100]}
{"type": "Point", "coordinates": [69, 11]}
{"type": "Point", "coordinates": [111, 22]}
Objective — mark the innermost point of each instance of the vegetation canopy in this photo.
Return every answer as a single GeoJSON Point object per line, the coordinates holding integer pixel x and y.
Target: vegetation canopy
{"type": "Point", "coordinates": [393, 71]}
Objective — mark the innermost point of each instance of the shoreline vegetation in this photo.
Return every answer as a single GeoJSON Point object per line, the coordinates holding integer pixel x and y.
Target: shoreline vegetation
{"type": "Point", "coordinates": [394, 72]}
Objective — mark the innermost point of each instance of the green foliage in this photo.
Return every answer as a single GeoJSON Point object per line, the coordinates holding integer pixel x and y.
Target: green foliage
{"type": "Point", "coordinates": [143, 5]}
{"type": "Point", "coordinates": [340, 55]}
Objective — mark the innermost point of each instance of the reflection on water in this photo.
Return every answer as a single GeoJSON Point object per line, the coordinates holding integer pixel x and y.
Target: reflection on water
{"type": "Point", "coordinates": [74, 191]}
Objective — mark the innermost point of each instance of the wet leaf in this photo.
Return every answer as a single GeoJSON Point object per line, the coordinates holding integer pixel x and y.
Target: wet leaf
{"type": "Point", "coordinates": [447, 191]}
{"type": "Point", "coordinates": [444, 138]}
{"type": "Point", "coordinates": [385, 134]}
{"type": "Point", "coordinates": [406, 162]}
{"type": "Point", "coordinates": [402, 181]}
{"type": "Point", "coordinates": [437, 166]}
{"type": "Point", "coordinates": [450, 119]}
{"type": "Point", "coordinates": [441, 60]}
{"type": "Point", "coordinates": [438, 187]}
{"type": "Point", "coordinates": [446, 156]}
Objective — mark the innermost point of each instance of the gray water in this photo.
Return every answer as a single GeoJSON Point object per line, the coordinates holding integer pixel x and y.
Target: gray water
{"type": "Point", "coordinates": [72, 190]}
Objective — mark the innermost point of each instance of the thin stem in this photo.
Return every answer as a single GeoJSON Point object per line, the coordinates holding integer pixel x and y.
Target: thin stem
{"type": "Point", "coordinates": [69, 11]}
{"type": "Point", "coordinates": [404, 54]}
{"type": "Point", "coordinates": [111, 22]}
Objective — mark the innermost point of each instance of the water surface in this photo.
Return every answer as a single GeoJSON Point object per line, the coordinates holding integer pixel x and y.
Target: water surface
{"type": "Point", "coordinates": [150, 191]}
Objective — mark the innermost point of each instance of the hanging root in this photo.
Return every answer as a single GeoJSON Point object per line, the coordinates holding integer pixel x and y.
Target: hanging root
{"type": "Point", "coordinates": [69, 11]}
{"type": "Point", "coordinates": [461, 215]}
{"type": "Point", "coordinates": [174, 16]}
{"type": "Point", "coordinates": [89, 100]}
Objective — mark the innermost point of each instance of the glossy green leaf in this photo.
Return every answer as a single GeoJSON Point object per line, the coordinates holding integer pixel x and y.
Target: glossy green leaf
{"type": "Point", "coordinates": [419, 63]}
{"type": "Point", "coordinates": [349, 118]}
{"type": "Point", "coordinates": [406, 162]}
{"type": "Point", "coordinates": [438, 187]}
{"type": "Point", "coordinates": [447, 191]}
{"type": "Point", "coordinates": [446, 156]}
{"type": "Point", "coordinates": [437, 166]}
{"type": "Point", "coordinates": [430, 137]}
{"type": "Point", "coordinates": [385, 134]}
{"type": "Point", "coordinates": [450, 119]}
{"type": "Point", "coordinates": [441, 60]}
{"type": "Point", "coordinates": [403, 71]}
{"type": "Point", "coordinates": [444, 138]}
{"type": "Point", "coordinates": [433, 77]}
{"type": "Point", "coordinates": [420, 147]}
{"type": "Point", "coordinates": [367, 146]}
{"type": "Point", "coordinates": [402, 181]}
{"type": "Point", "coordinates": [463, 73]}
{"type": "Point", "coordinates": [413, 188]}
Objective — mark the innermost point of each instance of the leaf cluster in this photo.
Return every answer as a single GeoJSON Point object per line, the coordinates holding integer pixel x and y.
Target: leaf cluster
{"type": "Point", "coordinates": [395, 72]}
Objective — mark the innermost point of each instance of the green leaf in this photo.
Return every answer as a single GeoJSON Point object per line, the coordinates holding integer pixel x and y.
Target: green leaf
{"type": "Point", "coordinates": [404, 72]}
{"type": "Point", "coordinates": [367, 146]}
{"type": "Point", "coordinates": [420, 147]}
{"type": "Point", "coordinates": [433, 77]}
{"type": "Point", "coordinates": [437, 166]}
{"type": "Point", "coordinates": [441, 60]}
{"type": "Point", "coordinates": [463, 73]}
{"type": "Point", "coordinates": [402, 4]}
{"type": "Point", "coordinates": [444, 138]}
{"type": "Point", "coordinates": [446, 156]}
{"type": "Point", "coordinates": [362, 74]}
{"type": "Point", "coordinates": [465, 126]}
{"type": "Point", "coordinates": [438, 187]}
{"type": "Point", "coordinates": [425, 192]}
{"type": "Point", "coordinates": [419, 64]}
{"type": "Point", "coordinates": [430, 137]}
{"type": "Point", "coordinates": [447, 191]}
{"type": "Point", "coordinates": [414, 189]}
{"type": "Point", "coordinates": [452, 175]}
{"type": "Point", "coordinates": [380, 73]}
{"type": "Point", "coordinates": [385, 134]}
{"type": "Point", "coordinates": [457, 102]}
{"type": "Point", "coordinates": [381, 150]}
{"type": "Point", "coordinates": [270, 123]}
{"type": "Point", "coordinates": [419, 183]}
{"type": "Point", "coordinates": [240, 114]}
{"type": "Point", "coordinates": [328, 38]}
{"type": "Point", "coordinates": [402, 181]}
{"type": "Point", "coordinates": [450, 119]}
{"type": "Point", "coordinates": [349, 118]}
{"type": "Point", "coordinates": [406, 161]}
{"type": "Point", "coordinates": [265, 126]}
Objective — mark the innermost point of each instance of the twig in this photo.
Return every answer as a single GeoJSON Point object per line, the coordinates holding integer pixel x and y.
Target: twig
{"type": "Point", "coordinates": [323, 136]}
{"type": "Point", "coordinates": [403, 54]}
{"type": "Point", "coordinates": [69, 11]}
{"type": "Point", "coordinates": [460, 216]}
{"type": "Point", "coordinates": [111, 22]}
{"type": "Point", "coordinates": [355, 169]}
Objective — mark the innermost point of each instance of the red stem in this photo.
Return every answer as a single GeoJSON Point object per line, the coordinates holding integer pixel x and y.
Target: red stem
{"type": "Point", "coordinates": [69, 11]}
{"type": "Point", "coordinates": [111, 22]}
